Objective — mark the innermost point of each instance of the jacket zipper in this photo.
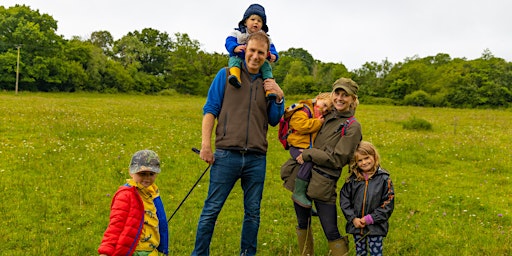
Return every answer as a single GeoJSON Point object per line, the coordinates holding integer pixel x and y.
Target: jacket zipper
{"type": "Point", "coordinates": [249, 114]}
{"type": "Point", "coordinates": [364, 201]}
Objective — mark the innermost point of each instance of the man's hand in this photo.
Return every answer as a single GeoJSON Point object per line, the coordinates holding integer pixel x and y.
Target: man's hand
{"type": "Point", "coordinates": [207, 155]}
{"type": "Point", "coordinates": [271, 86]}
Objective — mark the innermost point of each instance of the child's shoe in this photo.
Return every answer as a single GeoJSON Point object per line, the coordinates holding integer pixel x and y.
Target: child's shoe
{"type": "Point", "coordinates": [234, 77]}
{"type": "Point", "coordinates": [299, 193]}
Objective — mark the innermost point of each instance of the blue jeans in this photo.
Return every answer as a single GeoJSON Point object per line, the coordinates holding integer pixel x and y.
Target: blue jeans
{"type": "Point", "coordinates": [229, 166]}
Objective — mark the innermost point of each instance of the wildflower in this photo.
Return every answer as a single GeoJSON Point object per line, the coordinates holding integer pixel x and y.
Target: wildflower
{"type": "Point", "coordinates": [500, 215]}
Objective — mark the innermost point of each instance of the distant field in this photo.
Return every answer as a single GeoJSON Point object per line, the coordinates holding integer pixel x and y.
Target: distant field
{"type": "Point", "coordinates": [62, 156]}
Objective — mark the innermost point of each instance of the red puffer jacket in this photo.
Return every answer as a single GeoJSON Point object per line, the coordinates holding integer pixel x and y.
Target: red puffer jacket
{"type": "Point", "coordinates": [126, 221]}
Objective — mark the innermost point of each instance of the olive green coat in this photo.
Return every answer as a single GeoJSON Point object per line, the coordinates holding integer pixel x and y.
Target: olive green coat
{"type": "Point", "coordinates": [330, 153]}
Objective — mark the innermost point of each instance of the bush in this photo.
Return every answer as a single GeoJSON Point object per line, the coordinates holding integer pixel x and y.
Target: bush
{"type": "Point", "coordinates": [439, 100]}
{"type": "Point", "coordinates": [418, 98]}
{"type": "Point", "coordinates": [370, 100]}
{"type": "Point", "coordinates": [417, 124]}
{"type": "Point", "coordinates": [168, 92]}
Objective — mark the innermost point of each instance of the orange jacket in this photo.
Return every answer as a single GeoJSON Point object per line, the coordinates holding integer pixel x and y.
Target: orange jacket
{"type": "Point", "coordinates": [304, 128]}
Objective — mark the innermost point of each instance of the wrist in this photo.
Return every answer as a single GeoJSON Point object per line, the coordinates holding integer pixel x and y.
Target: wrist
{"type": "Point", "coordinates": [368, 219]}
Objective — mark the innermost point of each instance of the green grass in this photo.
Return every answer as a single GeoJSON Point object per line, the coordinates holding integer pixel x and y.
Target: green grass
{"type": "Point", "coordinates": [62, 156]}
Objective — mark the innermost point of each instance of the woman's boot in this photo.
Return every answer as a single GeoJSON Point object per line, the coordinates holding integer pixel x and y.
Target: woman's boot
{"type": "Point", "coordinates": [305, 239]}
{"type": "Point", "coordinates": [339, 247]}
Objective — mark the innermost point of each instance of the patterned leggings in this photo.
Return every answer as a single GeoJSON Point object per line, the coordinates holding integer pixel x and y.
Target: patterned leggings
{"type": "Point", "coordinates": [369, 244]}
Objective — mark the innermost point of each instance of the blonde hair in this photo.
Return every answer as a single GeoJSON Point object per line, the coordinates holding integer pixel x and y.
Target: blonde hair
{"type": "Point", "coordinates": [327, 96]}
{"type": "Point", "coordinates": [355, 103]}
{"type": "Point", "coordinates": [364, 148]}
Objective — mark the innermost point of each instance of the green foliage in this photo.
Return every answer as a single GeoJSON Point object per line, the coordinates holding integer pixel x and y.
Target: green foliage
{"type": "Point", "coordinates": [370, 78]}
{"type": "Point", "coordinates": [148, 61]}
{"type": "Point", "coordinates": [168, 92]}
{"type": "Point", "coordinates": [300, 54]}
{"type": "Point", "coordinates": [104, 40]}
{"type": "Point", "coordinates": [64, 155]}
{"type": "Point", "coordinates": [418, 124]}
{"type": "Point", "coordinates": [324, 75]}
{"type": "Point", "coordinates": [377, 100]}
{"type": "Point", "coordinates": [418, 98]}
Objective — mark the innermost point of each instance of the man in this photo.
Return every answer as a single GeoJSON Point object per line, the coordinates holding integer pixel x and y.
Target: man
{"type": "Point", "coordinates": [243, 115]}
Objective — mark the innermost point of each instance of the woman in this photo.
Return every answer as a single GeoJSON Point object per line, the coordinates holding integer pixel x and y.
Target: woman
{"type": "Point", "coordinates": [333, 148]}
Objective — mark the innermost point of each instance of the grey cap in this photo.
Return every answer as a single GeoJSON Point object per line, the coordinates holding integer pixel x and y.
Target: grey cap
{"type": "Point", "coordinates": [145, 160]}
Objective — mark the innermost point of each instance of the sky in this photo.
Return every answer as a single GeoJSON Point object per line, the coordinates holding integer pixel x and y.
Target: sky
{"type": "Point", "coordinates": [339, 31]}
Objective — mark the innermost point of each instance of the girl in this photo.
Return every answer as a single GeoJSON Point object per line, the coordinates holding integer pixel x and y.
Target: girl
{"type": "Point", "coordinates": [367, 200]}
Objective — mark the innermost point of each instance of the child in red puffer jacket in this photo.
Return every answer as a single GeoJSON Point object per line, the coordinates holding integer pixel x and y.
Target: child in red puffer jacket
{"type": "Point", "coordinates": [138, 224]}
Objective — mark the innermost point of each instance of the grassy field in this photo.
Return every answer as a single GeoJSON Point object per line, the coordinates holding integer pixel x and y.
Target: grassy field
{"type": "Point", "coordinates": [62, 156]}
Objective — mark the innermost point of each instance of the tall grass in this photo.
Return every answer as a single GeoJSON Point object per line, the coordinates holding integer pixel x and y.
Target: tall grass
{"type": "Point", "coordinates": [62, 156]}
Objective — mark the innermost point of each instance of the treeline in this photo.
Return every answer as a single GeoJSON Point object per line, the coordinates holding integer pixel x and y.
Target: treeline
{"type": "Point", "coordinates": [151, 62]}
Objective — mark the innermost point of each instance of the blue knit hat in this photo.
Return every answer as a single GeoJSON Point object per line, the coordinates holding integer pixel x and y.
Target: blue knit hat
{"type": "Point", "coordinates": [254, 9]}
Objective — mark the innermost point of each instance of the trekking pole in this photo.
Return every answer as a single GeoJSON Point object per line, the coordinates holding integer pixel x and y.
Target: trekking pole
{"type": "Point", "coordinates": [361, 239]}
{"type": "Point", "coordinates": [204, 172]}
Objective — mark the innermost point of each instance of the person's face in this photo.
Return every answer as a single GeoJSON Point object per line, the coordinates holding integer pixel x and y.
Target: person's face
{"type": "Point", "coordinates": [365, 162]}
{"type": "Point", "coordinates": [341, 100]}
{"type": "Point", "coordinates": [254, 23]}
{"type": "Point", "coordinates": [322, 106]}
{"type": "Point", "coordinates": [255, 55]}
{"type": "Point", "coordinates": [145, 178]}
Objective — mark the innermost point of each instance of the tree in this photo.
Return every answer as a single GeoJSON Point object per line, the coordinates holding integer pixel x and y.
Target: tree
{"type": "Point", "coordinates": [104, 40]}
{"type": "Point", "coordinates": [41, 47]}
{"type": "Point", "coordinates": [298, 80]}
{"type": "Point", "coordinates": [8, 70]}
{"type": "Point", "coordinates": [324, 75]}
{"type": "Point", "coordinates": [301, 54]}
{"type": "Point", "coordinates": [371, 78]}
{"type": "Point", "coordinates": [183, 65]}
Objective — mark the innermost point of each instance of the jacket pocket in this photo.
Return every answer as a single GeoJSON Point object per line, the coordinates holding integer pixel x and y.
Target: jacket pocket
{"type": "Point", "coordinates": [288, 173]}
{"type": "Point", "coordinates": [320, 186]}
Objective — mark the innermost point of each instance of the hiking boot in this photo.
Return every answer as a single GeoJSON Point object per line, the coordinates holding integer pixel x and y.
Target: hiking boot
{"type": "Point", "coordinates": [299, 193]}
